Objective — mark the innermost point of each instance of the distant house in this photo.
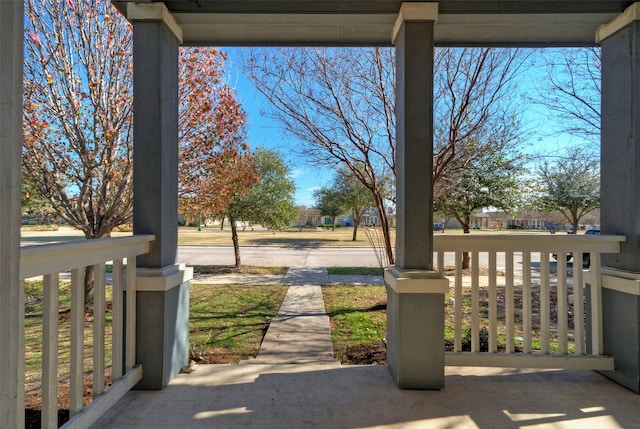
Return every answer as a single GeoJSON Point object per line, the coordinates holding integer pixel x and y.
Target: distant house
{"type": "Point", "coordinates": [501, 220]}
{"type": "Point", "coordinates": [533, 220]}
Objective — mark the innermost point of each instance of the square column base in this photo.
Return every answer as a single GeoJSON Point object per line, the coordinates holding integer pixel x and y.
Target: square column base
{"type": "Point", "coordinates": [415, 327]}
{"type": "Point", "coordinates": [162, 324]}
{"type": "Point", "coordinates": [621, 325]}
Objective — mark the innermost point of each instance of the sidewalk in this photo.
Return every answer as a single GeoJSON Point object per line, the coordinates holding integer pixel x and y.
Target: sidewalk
{"type": "Point", "coordinates": [293, 275]}
{"type": "Point", "coordinates": [300, 333]}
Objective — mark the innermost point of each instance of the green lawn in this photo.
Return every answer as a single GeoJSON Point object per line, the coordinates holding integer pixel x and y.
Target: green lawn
{"type": "Point", "coordinates": [244, 269]}
{"type": "Point", "coordinates": [358, 320]}
{"type": "Point", "coordinates": [358, 316]}
{"type": "Point", "coordinates": [366, 271]}
{"type": "Point", "coordinates": [227, 322]}
{"type": "Point", "coordinates": [33, 334]}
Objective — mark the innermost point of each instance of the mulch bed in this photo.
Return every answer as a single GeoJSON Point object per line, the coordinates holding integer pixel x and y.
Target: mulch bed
{"type": "Point", "coordinates": [366, 354]}
{"type": "Point", "coordinates": [371, 354]}
{"type": "Point", "coordinates": [33, 403]}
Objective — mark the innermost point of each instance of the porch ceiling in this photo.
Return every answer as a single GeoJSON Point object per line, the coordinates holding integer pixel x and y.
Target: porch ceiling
{"type": "Point", "coordinates": [370, 22]}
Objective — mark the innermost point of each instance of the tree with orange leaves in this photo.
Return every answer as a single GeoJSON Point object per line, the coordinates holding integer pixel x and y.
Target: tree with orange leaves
{"type": "Point", "coordinates": [78, 139]}
{"type": "Point", "coordinates": [214, 160]}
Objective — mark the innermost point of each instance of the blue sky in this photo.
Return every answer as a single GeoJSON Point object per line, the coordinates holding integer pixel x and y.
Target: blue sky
{"type": "Point", "coordinates": [264, 131]}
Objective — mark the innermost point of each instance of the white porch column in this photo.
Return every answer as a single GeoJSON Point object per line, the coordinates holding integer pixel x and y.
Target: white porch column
{"type": "Point", "coordinates": [415, 293]}
{"type": "Point", "coordinates": [620, 198]}
{"type": "Point", "coordinates": [163, 286]}
{"type": "Point", "coordinates": [11, 294]}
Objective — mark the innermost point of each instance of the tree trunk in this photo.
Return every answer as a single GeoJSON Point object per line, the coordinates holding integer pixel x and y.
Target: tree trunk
{"type": "Point", "coordinates": [234, 238]}
{"type": "Point", "coordinates": [465, 255]}
{"type": "Point", "coordinates": [384, 224]}
{"type": "Point", "coordinates": [465, 260]}
{"type": "Point", "coordinates": [89, 277]}
{"type": "Point", "coordinates": [356, 215]}
{"type": "Point", "coordinates": [222, 223]}
{"type": "Point", "coordinates": [333, 224]}
{"type": "Point", "coordinates": [574, 222]}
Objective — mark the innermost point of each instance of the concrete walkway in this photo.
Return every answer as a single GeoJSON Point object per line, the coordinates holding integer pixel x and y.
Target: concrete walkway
{"type": "Point", "coordinates": [300, 333]}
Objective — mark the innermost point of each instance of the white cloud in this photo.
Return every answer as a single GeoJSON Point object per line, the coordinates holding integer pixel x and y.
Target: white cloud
{"type": "Point", "coordinates": [296, 173]}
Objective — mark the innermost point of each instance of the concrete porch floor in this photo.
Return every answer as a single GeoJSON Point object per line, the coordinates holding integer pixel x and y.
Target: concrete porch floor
{"type": "Point", "coordinates": [334, 396]}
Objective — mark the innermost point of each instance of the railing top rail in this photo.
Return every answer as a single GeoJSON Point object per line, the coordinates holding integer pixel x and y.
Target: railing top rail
{"type": "Point", "coordinates": [59, 257]}
{"type": "Point", "coordinates": [528, 243]}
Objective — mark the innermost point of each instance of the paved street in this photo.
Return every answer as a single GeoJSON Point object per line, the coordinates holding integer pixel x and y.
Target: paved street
{"type": "Point", "coordinates": [308, 257]}
{"type": "Point", "coordinates": [291, 256]}
{"type": "Point", "coordinates": [279, 256]}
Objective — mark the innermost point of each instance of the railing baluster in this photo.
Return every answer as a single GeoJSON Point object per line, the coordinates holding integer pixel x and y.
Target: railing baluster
{"type": "Point", "coordinates": [578, 311]}
{"type": "Point", "coordinates": [561, 297]}
{"type": "Point", "coordinates": [77, 342]}
{"type": "Point", "coordinates": [509, 302]}
{"type": "Point", "coordinates": [475, 302]}
{"type": "Point", "coordinates": [98, 329]}
{"type": "Point", "coordinates": [117, 321]}
{"type": "Point", "coordinates": [493, 304]}
{"type": "Point", "coordinates": [457, 335]}
{"type": "Point", "coordinates": [526, 302]}
{"type": "Point", "coordinates": [441, 262]}
{"type": "Point", "coordinates": [130, 323]}
{"type": "Point", "coordinates": [20, 364]}
{"type": "Point", "coordinates": [596, 305]}
{"type": "Point", "coordinates": [545, 299]}
{"type": "Point", "coordinates": [50, 351]}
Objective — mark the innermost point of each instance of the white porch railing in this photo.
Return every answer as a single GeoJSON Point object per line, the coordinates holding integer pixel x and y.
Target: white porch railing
{"type": "Point", "coordinates": [519, 281]}
{"type": "Point", "coordinates": [53, 259]}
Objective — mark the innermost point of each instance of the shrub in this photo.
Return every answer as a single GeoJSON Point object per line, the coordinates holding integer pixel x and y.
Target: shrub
{"type": "Point", "coordinates": [483, 337]}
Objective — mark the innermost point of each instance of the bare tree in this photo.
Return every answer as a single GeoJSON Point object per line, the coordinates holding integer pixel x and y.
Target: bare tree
{"type": "Point", "coordinates": [571, 91]}
{"type": "Point", "coordinates": [341, 104]}
{"type": "Point", "coordinates": [475, 113]}
{"type": "Point", "coordinates": [77, 110]}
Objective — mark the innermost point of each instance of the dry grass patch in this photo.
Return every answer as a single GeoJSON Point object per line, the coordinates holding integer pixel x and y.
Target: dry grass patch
{"type": "Point", "coordinates": [341, 237]}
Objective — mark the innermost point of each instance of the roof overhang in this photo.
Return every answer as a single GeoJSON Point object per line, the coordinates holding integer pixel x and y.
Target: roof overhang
{"type": "Point", "coordinates": [357, 23]}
